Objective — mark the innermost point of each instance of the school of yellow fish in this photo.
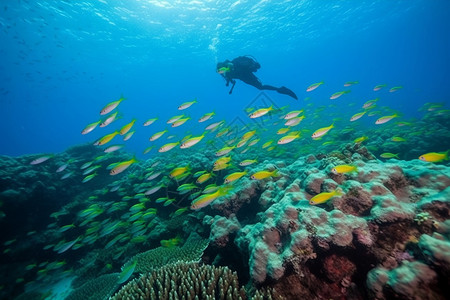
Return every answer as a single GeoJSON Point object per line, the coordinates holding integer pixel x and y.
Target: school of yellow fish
{"type": "Point", "coordinates": [239, 150]}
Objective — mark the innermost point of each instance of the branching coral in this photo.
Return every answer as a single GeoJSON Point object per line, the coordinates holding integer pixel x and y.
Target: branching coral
{"type": "Point", "coordinates": [192, 250]}
{"type": "Point", "coordinates": [184, 281]}
{"type": "Point", "coordinates": [96, 289]}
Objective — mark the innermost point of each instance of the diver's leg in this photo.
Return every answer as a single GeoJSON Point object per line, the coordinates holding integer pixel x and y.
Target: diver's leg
{"type": "Point", "coordinates": [254, 81]}
{"type": "Point", "coordinates": [284, 90]}
{"type": "Point", "coordinates": [251, 79]}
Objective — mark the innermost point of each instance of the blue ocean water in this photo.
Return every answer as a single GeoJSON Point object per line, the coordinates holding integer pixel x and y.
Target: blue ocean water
{"type": "Point", "coordinates": [288, 217]}
{"type": "Point", "coordinates": [62, 61]}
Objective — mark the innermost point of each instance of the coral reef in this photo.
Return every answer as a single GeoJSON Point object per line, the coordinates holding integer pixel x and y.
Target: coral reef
{"type": "Point", "coordinates": [371, 225]}
{"type": "Point", "coordinates": [99, 288]}
{"type": "Point", "coordinates": [192, 250]}
{"type": "Point", "coordinates": [411, 280]}
{"type": "Point", "coordinates": [384, 235]}
{"type": "Point", "coordinates": [184, 281]}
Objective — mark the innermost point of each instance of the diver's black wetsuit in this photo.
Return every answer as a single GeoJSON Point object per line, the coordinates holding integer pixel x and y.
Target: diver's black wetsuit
{"type": "Point", "coordinates": [242, 68]}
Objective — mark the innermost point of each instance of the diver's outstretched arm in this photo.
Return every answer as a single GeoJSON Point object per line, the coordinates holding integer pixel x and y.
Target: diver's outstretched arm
{"type": "Point", "coordinates": [232, 87]}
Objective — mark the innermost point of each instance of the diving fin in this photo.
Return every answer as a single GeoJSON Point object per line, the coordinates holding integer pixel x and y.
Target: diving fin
{"type": "Point", "coordinates": [284, 90]}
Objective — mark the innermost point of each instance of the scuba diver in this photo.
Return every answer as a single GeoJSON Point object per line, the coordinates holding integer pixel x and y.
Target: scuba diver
{"type": "Point", "coordinates": [242, 68]}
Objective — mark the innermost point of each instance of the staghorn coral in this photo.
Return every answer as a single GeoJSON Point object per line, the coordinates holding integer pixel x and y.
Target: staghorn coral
{"type": "Point", "coordinates": [267, 294]}
{"type": "Point", "coordinates": [96, 289]}
{"type": "Point", "coordinates": [192, 250]}
{"type": "Point", "coordinates": [184, 281]}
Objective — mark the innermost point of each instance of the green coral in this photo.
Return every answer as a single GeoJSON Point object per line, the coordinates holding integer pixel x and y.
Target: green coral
{"type": "Point", "coordinates": [421, 217]}
{"type": "Point", "coordinates": [192, 250]}
{"type": "Point", "coordinates": [190, 281]}
{"type": "Point", "coordinates": [184, 281]}
{"type": "Point", "coordinates": [96, 289]}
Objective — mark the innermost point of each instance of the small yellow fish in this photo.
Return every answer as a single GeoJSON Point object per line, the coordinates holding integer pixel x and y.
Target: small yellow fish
{"type": "Point", "coordinates": [247, 162]}
{"type": "Point", "coordinates": [360, 139]}
{"type": "Point", "coordinates": [322, 131]}
{"type": "Point", "coordinates": [204, 178]}
{"type": "Point", "coordinates": [206, 117]}
{"type": "Point", "coordinates": [110, 119]}
{"type": "Point", "coordinates": [179, 171]}
{"type": "Point", "coordinates": [110, 106]}
{"type": "Point", "coordinates": [370, 103]}
{"type": "Point", "coordinates": [180, 211]}
{"type": "Point", "coordinates": [41, 159]}
{"type": "Point", "coordinates": [283, 130]}
{"type": "Point", "coordinates": [344, 169]}
{"type": "Point", "coordinates": [90, 127]}
{"type": "Point", "coordinates": [215, 125]}
{"type": "Point", "coordinates": [385, 119]}
{"type": "Point", "coordinates": [395, 88]}
{"type": "Point", "coordinates": [313, 86]}
{"type": "Point", "coordinates": [338, 94]}
{"type": "Point", "coordinates": [223, 132]}
{"type": "Point", "coordinates": [128, 135]}
{"type": "Point", "coordinates": [206, 199]}
{"type": "Point", "coordinates": [241, 143]}
{"type": "Point", "coordinates": [248, 135]}
{"type": "Point", "coordinates": [148, 149]}
{"type": "Point", "coordinates": [260, 112]}
{"type": "Point", "coordinates": [174, 119]}
{"type": "Point", "coordinates": [150, 121]}
{"type": "Point", "coordinates": [221, 167]}
{"type": "Point", "coordinates": [234, 176]}
{"type": "Point", "coordinates": [357, 116]}
{"type": "Point", "coordinates": [192, 141]}
{"type": "Point", "coordinates": [122, 166]}
{"type": "Point", "coordinates": [398, 139]}
{"type": "Point", "coordinates": [264, 174]}
{"type": "Point", "coordinates": [267, 144]}
{"type": "Point", "coordinates": [294, 121]}
{"type": "Point", "coordinates": [171, 243]}
{"type": "Point", "coordinates": [349, 83]}
{"type": "Point", "coordinates": [253, 142]}
{"type": "Point", "coordinates": [180, 122]}
{"type": "Point", "coordinates": [186, 104]}
{"type": "Point", "coordinates": [168, 147]}
{"type": "Point", "coordinates": [222, 160]}
{"type": "Point", "coordinates": [107, 138]}
{"type": "Point", "coordinates": [434, 156]}
{"type": "Point", "coordinates": [157, 135]}
{"type": "Point", "coordinates": [324, 197]}
{"type": "Point", "coordinates": [292, 114]}
{"type": "Point", "coordinates": [389, 155]}
{"type": "Point", "coordinates": [89, 177]}
{"type": "Point", "coordinates": [127, 127]}
{"type": "Point", "coordinates": [379, 87]}
{"type": "Point", "coordinates": [127, 271]}
{"type": "Point", "coordinates": [289, 138]}
{"type": "Point", "coordinates": [224, 151]}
